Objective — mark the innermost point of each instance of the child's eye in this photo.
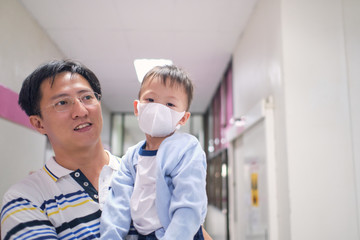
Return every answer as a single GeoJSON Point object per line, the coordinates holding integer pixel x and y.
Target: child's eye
{"type": "Point", "coordinates": [170, 105]}
{"type": "Point", "coordinates": [149, 100]}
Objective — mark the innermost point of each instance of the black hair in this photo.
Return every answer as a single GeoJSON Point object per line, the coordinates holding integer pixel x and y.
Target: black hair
{"type": "Point", "coordinates": [30, 93]}
{"type": "Point", "coordinates": [173, 75]}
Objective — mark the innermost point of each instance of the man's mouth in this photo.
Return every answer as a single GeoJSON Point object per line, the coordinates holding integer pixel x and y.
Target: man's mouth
{"type": "Point", "coordinates": [81, 126]}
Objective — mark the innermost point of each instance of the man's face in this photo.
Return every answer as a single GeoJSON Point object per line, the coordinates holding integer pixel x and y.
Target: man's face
{"type": "Point", "coordinates": [80, 127]}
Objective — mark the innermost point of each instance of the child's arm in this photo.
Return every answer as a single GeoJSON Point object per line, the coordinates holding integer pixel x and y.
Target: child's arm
{"type": "Point", "coordinates": [188, 201]}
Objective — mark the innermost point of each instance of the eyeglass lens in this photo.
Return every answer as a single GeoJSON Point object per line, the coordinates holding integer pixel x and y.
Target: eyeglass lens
{"type": "Point", "coordinates": [66, 103]}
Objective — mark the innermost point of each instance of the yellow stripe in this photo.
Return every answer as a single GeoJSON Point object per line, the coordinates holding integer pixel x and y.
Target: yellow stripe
{"type": "Point", "coordinates": [75, 205]}
{"type": "Point", "coordinates": [50, 174]}
{"type": "Point", "coordinates": [34, 208]}
{"type": "Point", "coordinates": [20, 210]}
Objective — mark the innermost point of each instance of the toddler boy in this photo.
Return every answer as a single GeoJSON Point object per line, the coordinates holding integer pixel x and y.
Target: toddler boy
{"type": "Point", "coordinates": [161, 182]}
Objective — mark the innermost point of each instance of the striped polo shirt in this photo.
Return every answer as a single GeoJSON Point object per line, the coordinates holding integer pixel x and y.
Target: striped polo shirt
{"type": "Point", "coordinates": [55, 203]}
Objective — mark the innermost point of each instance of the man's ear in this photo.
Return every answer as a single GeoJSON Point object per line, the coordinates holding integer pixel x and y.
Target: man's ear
{"type": "Point", "coordinates": [37, 123]}
{"type": "Point", "coordinates": [136, 112]}
{"type": "Point", "coordinates": [184, 119]}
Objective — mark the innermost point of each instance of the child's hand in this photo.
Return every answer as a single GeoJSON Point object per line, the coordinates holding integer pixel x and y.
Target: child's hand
{"type": "Point", "coordinates": [206, 235]}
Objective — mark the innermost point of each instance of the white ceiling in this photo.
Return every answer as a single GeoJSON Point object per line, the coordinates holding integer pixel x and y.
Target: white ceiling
{"type": "Point", "coordinates": [108, 35]}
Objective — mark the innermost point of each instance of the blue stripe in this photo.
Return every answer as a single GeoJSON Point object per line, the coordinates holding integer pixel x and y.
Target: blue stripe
{"type": "Point", "coordinates": [47, 202]}
{"type": "Point", "coordinates": [46, 237]}
{"type": "Point", "coordinates": [4, 211]}
{"type": "Point", "coordinates": [27, 203]}
{"type": "Point", "coordinates": [86, 233]}
{"type": "Point", "coordinates": [11, 202]}
{"type": "Point", "coordinates": [83, 228]}
{"type": "Point", "coordinates": [78, 221]}
{"type": "Point", "coordinates": [57, 199]}
{"type": "Point", "coordinates": [24, 225]}
{"type": "Point", "coordinates": [40, 231]}
{"type": "Point", "coordinates": [44, 233]}
{"type": "Point", "coordinates": [57, 204]}
{"type": "Point", "coordinates": [51, 172]}
{"type": "Point", "coordinates": [37, 230]}
{"type": "Point", "coordinates": [92, 237]}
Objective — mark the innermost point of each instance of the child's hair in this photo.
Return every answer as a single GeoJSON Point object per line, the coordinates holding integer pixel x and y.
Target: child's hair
{"type": "Point", "coordinates": [172, 75]}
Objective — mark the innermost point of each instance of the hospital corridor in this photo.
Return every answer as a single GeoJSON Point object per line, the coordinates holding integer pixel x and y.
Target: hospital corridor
{"type": "Point", "coordinates": [275, 109]}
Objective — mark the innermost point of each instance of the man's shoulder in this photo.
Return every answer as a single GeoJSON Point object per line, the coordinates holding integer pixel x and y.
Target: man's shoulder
{"type": "Point", "coordinates": [29, 187]}
{"type": "Point", "coordinates": [33, 178]}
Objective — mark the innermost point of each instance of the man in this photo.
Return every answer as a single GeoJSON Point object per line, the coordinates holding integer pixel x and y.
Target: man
{"type": "Point", "coordinates": [63, 199]}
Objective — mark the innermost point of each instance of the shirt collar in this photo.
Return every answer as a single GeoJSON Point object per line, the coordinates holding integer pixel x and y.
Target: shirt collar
{"type": "Point", "coordinates": [56, 171]}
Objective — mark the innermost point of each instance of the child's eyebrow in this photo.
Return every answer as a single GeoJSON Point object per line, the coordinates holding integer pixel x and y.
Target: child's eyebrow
{"type": "Point", "coordinates": [172, 98]}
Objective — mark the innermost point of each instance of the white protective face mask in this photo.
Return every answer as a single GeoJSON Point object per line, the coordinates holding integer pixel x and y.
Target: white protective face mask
{"type": "Point", "coordinates": [157, 120]}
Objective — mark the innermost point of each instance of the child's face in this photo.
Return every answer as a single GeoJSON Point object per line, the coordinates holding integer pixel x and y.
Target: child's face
{"type": "Point", "coordinates": [172, 96]}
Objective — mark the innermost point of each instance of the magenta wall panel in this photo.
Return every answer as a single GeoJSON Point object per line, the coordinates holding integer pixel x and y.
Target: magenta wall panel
{"type": "Point", "coordinates": [9, 108]}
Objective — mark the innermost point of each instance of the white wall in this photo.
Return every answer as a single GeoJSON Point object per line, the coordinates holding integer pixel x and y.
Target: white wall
{"type": "Point", "coordinates": [306, 54]}
{"type": "Point", "coordinates": [319, 131]}
{"type": "Point", "coordinates": [105, 134]}
{"type": "Point", "coordinates": [351, 10]}
{"type": "Point", "coordinates": [23, 46]}
{"type": "Point", "coordinates": [257, 68]}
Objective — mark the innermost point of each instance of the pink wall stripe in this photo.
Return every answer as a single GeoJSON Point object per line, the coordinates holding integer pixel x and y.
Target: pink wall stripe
{"type": "Point", "coordinates": [9, 108]}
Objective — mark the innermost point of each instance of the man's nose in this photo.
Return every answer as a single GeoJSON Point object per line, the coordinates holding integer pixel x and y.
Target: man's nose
{"type": "Point", "coordinates": [79, 109]}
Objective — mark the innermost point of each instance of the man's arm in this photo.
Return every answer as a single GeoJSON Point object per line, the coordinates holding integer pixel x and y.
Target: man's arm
{"type": "Point", "coordinates": [116, 218]}
{"type": "Point", "coordinates": [21, 218]}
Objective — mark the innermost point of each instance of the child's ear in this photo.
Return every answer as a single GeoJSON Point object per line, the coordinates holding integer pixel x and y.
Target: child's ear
{"type": "Point", "coordinates": [184, 119]}
{"type": "Point", "coordinates": [37, 123]}
{"type": "Point", "coordinates": [136, 112]}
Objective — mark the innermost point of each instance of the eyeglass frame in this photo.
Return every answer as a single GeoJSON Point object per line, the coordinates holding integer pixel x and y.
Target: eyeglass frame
{"type": "Point", "coordinates": [73, 99]}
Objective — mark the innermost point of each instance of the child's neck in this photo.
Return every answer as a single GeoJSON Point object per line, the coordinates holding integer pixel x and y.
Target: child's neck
{"type": "Point", "coordinates": [153, 143]}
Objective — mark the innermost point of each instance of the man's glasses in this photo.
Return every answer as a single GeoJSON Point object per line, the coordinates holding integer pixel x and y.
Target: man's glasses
{"type": "Point", "coordinates": [65, 104]}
